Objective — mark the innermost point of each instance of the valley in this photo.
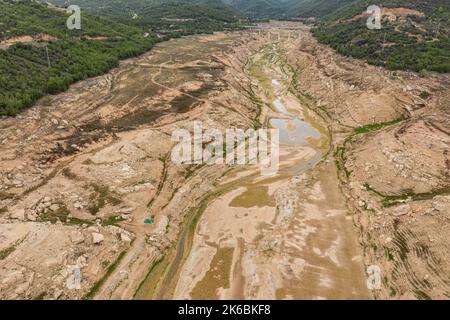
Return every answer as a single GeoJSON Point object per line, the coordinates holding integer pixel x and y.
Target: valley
{"type": "Point", "coordinates": [87, 182]}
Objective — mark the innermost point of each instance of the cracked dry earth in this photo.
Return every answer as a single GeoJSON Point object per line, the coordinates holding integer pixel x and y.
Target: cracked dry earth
{"type": "Point", "coordinates": [80, 171]}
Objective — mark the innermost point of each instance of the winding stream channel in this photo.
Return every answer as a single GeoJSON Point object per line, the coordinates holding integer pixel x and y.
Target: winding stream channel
{"type": "Point", "coordinates": [246, 239]}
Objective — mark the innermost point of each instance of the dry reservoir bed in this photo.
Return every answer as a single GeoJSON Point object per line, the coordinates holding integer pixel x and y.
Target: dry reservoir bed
{"type": "Point", "coordinates": [363, 179]}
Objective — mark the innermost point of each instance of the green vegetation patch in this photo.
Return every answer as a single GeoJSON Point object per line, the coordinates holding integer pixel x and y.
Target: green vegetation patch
{"type": "Point", "coordinates": [4, 253]}
{"type": "Point", "coordinates": [25, 74]}
{"type": "Point", "coordinates": [102, 196]}
{"type": "Point", "coordinates": [112, 220]}
{"type": "Point", "coordinates": [419, 43]}
{"type": "Point", "coordinates": [217, 276]}
{"type": "Point", "coordinates": [6, 195]}
{"type": "Point", "coordinates": [150, 272]}
{"type": "Point", "coordinates": [102, 280]}
{"type": "Point", "coordinates": [376, 126]}
{"type": "Point", "coordinates": [62, 215]}
{"type": "Point", "coordinates": [392, 200]}
{"type": "Point", "coordinates": [254, 196]}
{"type": "Point", "coordinates": [7, 251]}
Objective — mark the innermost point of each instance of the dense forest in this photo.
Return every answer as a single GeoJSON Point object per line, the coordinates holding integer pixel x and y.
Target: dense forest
{"type": "Point", "coordinates": [168, 18]}
{"type": "Point", "coordinates": [418, 42]}
{"type": "Point", "coordinates": [49, 56]}
{"type": "Point", "coordinates": [26, 74]}
{"type": "Point", "coordinates": [172, 19]}
{"type": "Point", "coordinates": [286, 9]}
{"type": "Point", "coordinates": [263, 9]}
{"type": "Point", "coordinates": [56, 57]}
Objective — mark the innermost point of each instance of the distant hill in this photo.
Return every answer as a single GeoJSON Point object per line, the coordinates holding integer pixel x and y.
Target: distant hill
{"type": "Point", "coordinates": [111, 30]}
{"type": "Point", "coordinates": [29, 30]}
{"type": "Point", "coordinates": [287, 8]}
{"type": "Point", "coordinates": [415, 34]}
{"type": "Point", "coordinates": [263, 9]}
{"type": "Point", "coordinates": [165, 16]}
{"type": "Point", "coordinates": [317, 8]}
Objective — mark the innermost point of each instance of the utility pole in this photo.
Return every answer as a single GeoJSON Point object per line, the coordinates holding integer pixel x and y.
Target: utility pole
{"type": "Point", "coordinates": [438, 28]}
{"type": "Point", "coordinates": [48, 59]}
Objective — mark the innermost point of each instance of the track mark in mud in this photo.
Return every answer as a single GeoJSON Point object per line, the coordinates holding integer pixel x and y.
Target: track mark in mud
{"type": "Point", "coordinates": [253, 196]}
{"type": "Point", "coordinates": [216, 277]}
{"type": "Point", "coordinates": [162, 179]}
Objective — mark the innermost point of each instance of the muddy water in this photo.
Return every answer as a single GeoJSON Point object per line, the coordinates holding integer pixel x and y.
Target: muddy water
{"type": "Point", "coordinates": [293, 131]}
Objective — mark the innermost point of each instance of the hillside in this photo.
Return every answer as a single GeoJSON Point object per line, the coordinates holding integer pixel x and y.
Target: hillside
{"type": "Point", "coordinates": [263, 9]}
{"type": "Point", "coordinates": [286, 9]}
{"type": "Point", "coordinates": [167, 17]}
{"type": "Point", "coordinates": [30, 29]}
{"type": "Point", "coordinates": [415, 35]}
{"type": "Point", "coordinates": [317, 8]}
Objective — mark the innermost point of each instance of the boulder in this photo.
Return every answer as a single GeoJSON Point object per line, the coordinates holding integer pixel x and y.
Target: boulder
{"type": "Point", "coordinates": [124, 237]}
{"type": "Point", "coordinates": [402, 210]}
{"type": "Point", "coordinates": [78, 205]}
{"type": "Point", "coordinates": [93, 229]}
{"type": "Point", "coordinates": [97, 238]}
{"type": "Point", "coordinates": [76, 237]}
{"type": "Point", "coordinates": [32, 216]}
{"type": "Point", "coordinates": [442, 205]}
{"type": "Point", "coordinates": [54, 207]}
